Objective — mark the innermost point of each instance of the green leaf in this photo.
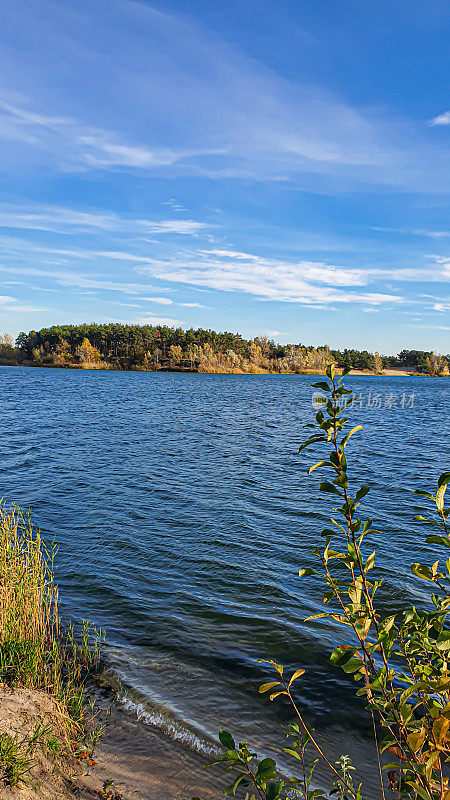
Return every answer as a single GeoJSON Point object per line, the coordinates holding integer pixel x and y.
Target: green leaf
{"type": "Point", "coordinates": [443, 640]}
{"type": "Point", "coordinates": [291, 752]}
{"type": "Point", "coordinates": [232, 788]}
{"type": "Point", "coordinates": [435, 539]}
{"type": "Point", "coordinates": [342, 654]}
{"type": "Point", "coordinates": [424, 494]}
{"type": "Point", "coordinates": [266, 769]}
{"type": "Point", "coordinates": [305, 572]}
{"type": "Point", "coordinates": [327, 532]}
{"type": "Point", "coordinates": [273, 790]}
{"type": "Point", "coordinates": [341, 479]}
{"type": "Point", "coordinates": [342, 391]}
{"type": "Point", "coordinates": [440, 497]}
{"type": "Point", "coordinates": [351, 665]}
{"type": "Point", "coordinates": [227, 740]}
{"type": "Point", "coordinates": [420, 790]}
{"type": "Point", "coordinates": [387, 623]}
{"type": "Point", "coordinates": [350, 433]}
{"type": "Point", "coordinates": [316, 466]}
{"type": "Point", "coordinates": [362, 493]}
{"type": "Point", "coordinates": [421, 571]}
{"type": "Point", "coordinates": [265, 687]}
{"type": "Point", "coordinates": [370, 561]}
{"type": "Point", "coordinates": [408, 693]}
{"type": "Point", "coordinates": [266, 763]}
{"type": "Point", "coordinates": [420, 518]}
{"type": "Point", "coordinates": [444, 479]}
{"type": "Point", "coordinates": [318, 437]}
{"type": "Point", "coordinates": [297, 674]}
{"type": "Point", "coordinates": [351, 549]}
{"type": "Point", "coordinates": [345, 372]}
{"type": "Point", "coordinates": [321, 385]}
{"type": "Point", "coordinates": [325, 486]}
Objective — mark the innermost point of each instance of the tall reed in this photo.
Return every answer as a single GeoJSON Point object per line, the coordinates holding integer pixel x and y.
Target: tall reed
{"type": "Point", "coordinates": [36, 651]}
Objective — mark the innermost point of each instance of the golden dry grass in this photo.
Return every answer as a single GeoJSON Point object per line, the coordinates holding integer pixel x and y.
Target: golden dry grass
{"type": "Point", "coordinates": [35, 650]}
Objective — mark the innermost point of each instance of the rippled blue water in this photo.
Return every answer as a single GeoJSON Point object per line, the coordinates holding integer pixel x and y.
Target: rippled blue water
{"type": "Point", "coordinates": [182, 512]}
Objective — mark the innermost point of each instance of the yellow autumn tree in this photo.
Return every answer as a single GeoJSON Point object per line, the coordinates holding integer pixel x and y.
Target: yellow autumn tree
{"type": "Point", "coordinates": [87, 353]}
{"type": "Point", "coordinates": [377, 363]}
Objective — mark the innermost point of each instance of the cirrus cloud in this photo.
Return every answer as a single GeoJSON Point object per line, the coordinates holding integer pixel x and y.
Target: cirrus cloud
{"type": "Point", "coordinates": [442, 119]}
{"type": "Point", "coordinates": [305, 282]}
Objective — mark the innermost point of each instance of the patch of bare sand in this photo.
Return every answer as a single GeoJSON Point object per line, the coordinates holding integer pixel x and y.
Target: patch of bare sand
{"type": "Point", "coordinates": [21, 710]}
{"type": "Point", "coordinates": [392, 373]}
{"type": "Point", "coordinates": [135, 761]}
{"type": "Point", "coordinates": [145, 764]}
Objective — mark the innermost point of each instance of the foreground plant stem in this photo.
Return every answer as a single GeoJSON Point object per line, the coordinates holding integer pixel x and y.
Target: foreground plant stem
{"type": "Point", "coordinates": [403, 659]}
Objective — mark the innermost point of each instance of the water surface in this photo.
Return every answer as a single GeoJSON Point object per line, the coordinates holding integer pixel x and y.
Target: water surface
{"type": "Point", "coordinates": [182, 512]}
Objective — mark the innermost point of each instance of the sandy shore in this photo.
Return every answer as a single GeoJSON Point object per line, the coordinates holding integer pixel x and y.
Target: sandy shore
{"type": "Point", "coordinates": [130, 762]}
{"type": "Point", "coordinates": [399, 373]}
{"type": "Point", "coordinates": [145, 764]}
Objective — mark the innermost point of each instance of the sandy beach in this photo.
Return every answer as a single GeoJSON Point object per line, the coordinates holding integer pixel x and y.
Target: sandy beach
{"type": "Point", "coordinates": [132, 761]}
{"type": "Point", "coordinates": [391, 373]}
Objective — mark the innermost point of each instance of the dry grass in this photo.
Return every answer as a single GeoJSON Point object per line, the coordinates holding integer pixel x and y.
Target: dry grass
{"type": "Point", "coordinates": [29, 619]}
{"type": "Point", "coordinates": [35, 650]}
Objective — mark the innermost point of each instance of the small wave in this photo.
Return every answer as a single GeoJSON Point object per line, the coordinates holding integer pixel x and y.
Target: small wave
{"type": "Point", "coordinates": [170, 726]}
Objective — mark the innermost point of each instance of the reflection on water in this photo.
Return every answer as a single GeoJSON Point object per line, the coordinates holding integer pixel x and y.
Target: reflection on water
{"type": "Point", "coordinates": [182, 512]}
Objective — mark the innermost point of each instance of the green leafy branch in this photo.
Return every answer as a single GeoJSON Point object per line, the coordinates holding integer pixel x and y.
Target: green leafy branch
{"type": "Point", "coordinates": [402, 659]}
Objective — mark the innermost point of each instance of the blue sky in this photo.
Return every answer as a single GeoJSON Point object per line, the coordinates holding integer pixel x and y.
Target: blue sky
{"type": "Point", "coordinates": [267, 167]}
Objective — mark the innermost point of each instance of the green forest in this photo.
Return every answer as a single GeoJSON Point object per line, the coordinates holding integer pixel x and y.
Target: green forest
{"type": "Point", "coordinates": [150, 348]}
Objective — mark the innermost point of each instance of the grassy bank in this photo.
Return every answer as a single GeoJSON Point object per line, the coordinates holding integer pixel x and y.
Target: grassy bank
{"type": "Point", "coordinates": [43, 666]}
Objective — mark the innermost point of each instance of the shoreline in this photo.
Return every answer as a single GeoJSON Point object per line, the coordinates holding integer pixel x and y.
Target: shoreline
{"type": "Point", "coordinates": [386, 373]}
{"type": "Point", "coordinates": [145, 763]}
{"type": "Point", "coordinates": [131, 761]}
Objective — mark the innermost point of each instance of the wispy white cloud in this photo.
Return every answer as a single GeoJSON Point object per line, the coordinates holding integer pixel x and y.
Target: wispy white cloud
{"type": "Point", "coordinates": [150, 320]}
{"type": "Point", "coordinates": [73, 279]}
{"type": "Point", "coordinates": [58, 219]}
{"type": "Point", "coordinates": [442, 119]}
{"type": "Point", "coordinates": [177, 98]}
{"type": "Point", "coordinates": [438, 271]}
{"type": "Point", "coordinates": [14, 305]}
{"type": "Point", "coordinates": [85, 146]}
{"type": "Point", "coordinates": [445, 266]}
{"type": "Point", "coordinates": [231, 254]}
{"type": "Point", "coordinates": [314, 283]}
{"type": "Point", "coordinates": [432, 234]}
{"type": "Point", "coordinates": [181, 226]}
{"type": "Point", "coordinates": [175, 205]}
{"type": "Point", "coordinates": [309, 283]}
{"type": "Point", "coordinates": [163, 301]}
{"type": "Point", "coordinates": [124, 305]}
{"type": "Point", "coordinates": [7, 300]}
{"type": "Point", "coordinates": [104, 153]}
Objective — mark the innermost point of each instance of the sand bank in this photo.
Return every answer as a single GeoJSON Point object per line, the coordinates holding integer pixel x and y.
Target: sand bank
{"type": "Point", "coordinates": [130, 762]}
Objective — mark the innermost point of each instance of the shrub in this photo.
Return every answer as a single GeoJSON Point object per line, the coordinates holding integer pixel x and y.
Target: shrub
{"type": "Point", "coordinates": [401, 660]}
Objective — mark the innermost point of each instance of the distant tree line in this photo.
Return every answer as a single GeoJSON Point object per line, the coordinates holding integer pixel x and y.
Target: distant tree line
{"type": "Point", "coordinates": [159, 347]}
